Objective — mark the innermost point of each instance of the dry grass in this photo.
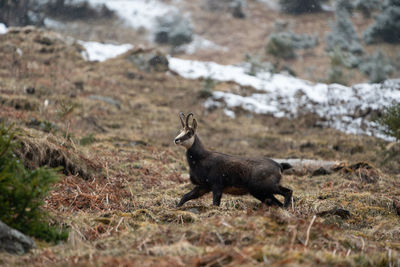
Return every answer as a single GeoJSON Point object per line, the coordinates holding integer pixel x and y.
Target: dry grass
{"type": "Point", "coordinates": [125, 214]}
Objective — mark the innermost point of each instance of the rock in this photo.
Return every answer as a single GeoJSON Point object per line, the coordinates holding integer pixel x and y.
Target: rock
{"type": "Point", "coordinates": [237, 9]}
{"type": "Point", "coordinates": [310, 166]}
{"type": "Point", "coordinates": [234, 7]}
{"type": "Point", "coordinates": [159, 63]}
{"type": "Point", "coordinates": [320, 171]}
{"type": "Point", "coordinates": [344, 214]}
{"type": "Point", "coordinates": [106, 99]}
{"type": "Point", "coordinates": [14, 241]}
{"type": "Point", "coordinates": [173, 29]}
{"type": "Point", "coordinates": [147, 60]}
{"type": "Point", "coordinates": [30, 90]}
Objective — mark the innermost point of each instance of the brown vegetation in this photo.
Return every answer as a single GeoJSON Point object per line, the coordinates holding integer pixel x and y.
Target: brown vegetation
{"type": "Point", "coordinates": [124, 212]}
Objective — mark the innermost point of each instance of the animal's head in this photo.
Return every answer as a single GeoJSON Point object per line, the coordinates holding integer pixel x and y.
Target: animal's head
{"type": "Point", "coordinates": [186, 136]}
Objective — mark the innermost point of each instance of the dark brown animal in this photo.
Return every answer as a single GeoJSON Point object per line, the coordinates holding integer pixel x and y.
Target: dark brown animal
{"type": "Point", "coordinates": [221, 173]}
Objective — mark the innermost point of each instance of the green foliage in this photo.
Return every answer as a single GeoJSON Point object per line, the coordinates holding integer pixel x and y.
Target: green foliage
{"type": "Point", "coordinates": [300, 6]}
{"type": "Point", "coordinates": [207, 88]}
{"type": "Point", "coordinates": [387, 25]}
{"type": "Point", "coordinates": [390, 121]}
{"type": "Point", "coordinates": [22, 192]}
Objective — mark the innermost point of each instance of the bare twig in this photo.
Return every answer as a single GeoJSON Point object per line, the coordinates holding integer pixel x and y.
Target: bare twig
{"type": "Point", "coordinates": [348, 252]}
{"type": "Point", "coordinates": [220, 238]}
{"type": "Point", "coordinates": [120, 221]}
{"type": "Point", "coordinates": [309, 229]}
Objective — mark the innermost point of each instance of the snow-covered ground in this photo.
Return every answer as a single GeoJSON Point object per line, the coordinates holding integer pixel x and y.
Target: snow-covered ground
{"type": "Point", "coordinates": [137, 13]}
{"type": "Point", "coordinates": [341, 107]}
{"type": "Point", "coordinates": [3, 28]}
{"type": "Point", "coordinates": [100, 52]}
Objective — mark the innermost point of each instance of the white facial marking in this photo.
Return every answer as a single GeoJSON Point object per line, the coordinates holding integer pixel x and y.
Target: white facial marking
{"type": "Point", "coordinates": [180, 135]}
{"type": "Point", "coordinates": [188, 143]}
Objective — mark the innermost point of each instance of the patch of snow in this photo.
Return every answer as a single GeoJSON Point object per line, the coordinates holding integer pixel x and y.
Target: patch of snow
{"type": "Point", "coordinates": [100, 52]}
{"type": "Point", "coordinates": [229, 113]}
{"type": "Point", "coordinates": [53, 24]}
{"type": "Point", "coordinates": [19, 52]}
{"type": "Point", "coordinates": [340, 107]}
{"type": "Point", "coordinates": [199, 43]}
{"type": "Point", "coordinates": [137, 13]}
{"type": "Point", "coordinates": [3, 28]}
{"type": "Point", "coordinates": [328, 8]}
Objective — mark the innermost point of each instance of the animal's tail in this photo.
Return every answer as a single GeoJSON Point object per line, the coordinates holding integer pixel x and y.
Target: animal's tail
{"type": "Point", "coordinates": [285, 166]}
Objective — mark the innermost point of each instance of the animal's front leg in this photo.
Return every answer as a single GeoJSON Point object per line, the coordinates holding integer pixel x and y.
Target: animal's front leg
{"type": "Point", "coordinates": [197, 192]}
{"type": "Point", "coordinates": [217, 194]}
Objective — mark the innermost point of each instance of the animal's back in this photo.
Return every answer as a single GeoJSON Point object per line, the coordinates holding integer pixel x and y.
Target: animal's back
{"type": "Point", "coordinates": [242, 171]}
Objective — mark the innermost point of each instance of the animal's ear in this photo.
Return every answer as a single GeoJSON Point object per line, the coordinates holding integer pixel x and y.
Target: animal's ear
{"type": "Point", "coordinates": [182, 117]}
{"type": "Point", "coordinates": [187, 119]}
{"type": "Point", "coordinates": [194, 125]}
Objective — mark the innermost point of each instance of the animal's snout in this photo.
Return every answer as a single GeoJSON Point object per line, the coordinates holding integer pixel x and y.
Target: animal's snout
{"type": "Point", "coordinates": [176, 141]}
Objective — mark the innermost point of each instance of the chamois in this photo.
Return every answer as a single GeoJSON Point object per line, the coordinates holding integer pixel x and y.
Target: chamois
{"type": "Point", "coordinates": [221, 173]}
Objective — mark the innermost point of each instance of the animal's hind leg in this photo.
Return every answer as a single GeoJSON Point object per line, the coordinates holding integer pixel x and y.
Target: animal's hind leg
{"type": "Point", "coordinates": [287, 193]}
{"type": "Point", "coordinates": [266, 198]}
{"type": "Point", "coordinates": [217, 194]}
{"type": "Point", "coordinates": [275, 201]}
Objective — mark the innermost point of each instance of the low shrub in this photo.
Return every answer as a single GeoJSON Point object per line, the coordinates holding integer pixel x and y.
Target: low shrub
{"type": "Point", "coordinates": [284, 44]}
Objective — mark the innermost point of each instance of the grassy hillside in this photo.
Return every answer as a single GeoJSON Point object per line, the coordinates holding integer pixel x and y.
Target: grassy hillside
{"type": "Point", "coordinates": [112, 125]}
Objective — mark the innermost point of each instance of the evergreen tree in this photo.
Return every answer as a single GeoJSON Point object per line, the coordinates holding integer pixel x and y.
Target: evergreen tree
{"type": "Point", "coordinates": [22, 192]}
{"type": "Point", "coordinates": [387, 25]}
{"type": "Point", "coordinates": [367, 6]}
{"type": "Point", "coordinates": [390, 121]}
{"type": "Point", "coordinates": [343, 35]}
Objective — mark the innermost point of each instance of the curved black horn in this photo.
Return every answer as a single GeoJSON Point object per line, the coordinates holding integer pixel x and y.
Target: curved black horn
{"type": "Point", "coordinates": [187, 118]}
{"type": "Point", "coordinates": [182, 117]}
